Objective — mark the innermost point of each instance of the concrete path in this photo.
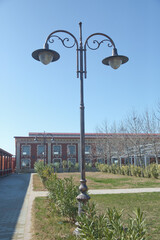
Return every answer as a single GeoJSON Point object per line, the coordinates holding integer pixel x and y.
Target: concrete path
{"type": "Point", "coordinates": [13, 190]}
{"type": "Point", "coordinates": [118, 191]}
{"type": "Point", "coordinates": [24, 223]}
{"type": "Point", "coordinates": [16, 199]}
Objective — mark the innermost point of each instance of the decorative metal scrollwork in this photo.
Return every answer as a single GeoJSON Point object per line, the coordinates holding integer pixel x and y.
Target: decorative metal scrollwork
{"type": "Point", "coordinates": [66, 39]}
{"type": "Point", "coordinates": [98, 44]}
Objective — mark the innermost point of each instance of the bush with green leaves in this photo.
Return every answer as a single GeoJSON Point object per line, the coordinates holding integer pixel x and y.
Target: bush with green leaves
{"type": "Point", "coordinates": [44, 171]}
{"type": "Point", "coordinates": [114, 169]}
{"type": "Point", "coordinates": [155, 170]}
{"type": "Point", "coordinates": [62, 195]}
{"type": "Point", "coordinates": [39, 167]}
{"type": "Point", "coordinates": [152, 170]}
{"type": "Point", "coordinates": [97, 165]}
{"type": "Point", "coordinates": [56, 166]}
{"type": "Point", "coordinates": [88, 166]}
{"type": "Point", "coordinates": [123, 170]}
{"type": "Point", "coordinates": [147, 172]}
{"type": "Point", "coordinates": [102, 167]}
{"type": "Point", "coordinates": [110, 226]}
{"type": "Point", "coordinates": [128, 170]}
{"type": "Point", "coordinates": [64, 164]}
{"type": "Point", "coordinates": [76, 166]}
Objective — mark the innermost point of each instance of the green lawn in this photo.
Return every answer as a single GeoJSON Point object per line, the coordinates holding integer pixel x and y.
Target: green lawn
{"type": "Point", "coordinates": [48, 226]}
{"type": "Point", "coordinates": [99, 180]}
{"type": "Point", "coordinates": [122, 182]}
{"type": "Point", "coordinates": [148, 203]}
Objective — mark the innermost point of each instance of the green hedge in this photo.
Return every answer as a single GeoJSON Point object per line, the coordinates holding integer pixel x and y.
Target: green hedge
{"type": "Point", "coordinates": [152, 170]}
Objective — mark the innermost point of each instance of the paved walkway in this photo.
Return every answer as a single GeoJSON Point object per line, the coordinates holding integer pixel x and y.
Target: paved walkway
{"type": "Point", "coordinates": [118, 191]}
{"type": "Point", "coordinates": [16, 199]}
{"type": "Point", "coordinates": [12, 194]}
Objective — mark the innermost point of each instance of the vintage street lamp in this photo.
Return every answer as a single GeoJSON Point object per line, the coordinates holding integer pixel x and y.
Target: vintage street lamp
{"type": "Point", "coordinates": [46, 56]}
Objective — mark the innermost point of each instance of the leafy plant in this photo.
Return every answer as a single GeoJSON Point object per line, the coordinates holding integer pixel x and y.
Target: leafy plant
{"type": "Point", "coordinates": [62, 194]}
{"type": "Point", "coordinates": [56, 166]}
{"type": "Point", "coordinates": [76, 166]}
{"type": "Point", "coordinates": [88, 166]}
{"type": "Point", "coordinates": [155, 172]}
{"type": "Point", "coordinates": [64, 164]}
{"type": "Point", "coordinates": [39, 167]}
{"type": "Point", "coordinates": [110, 226]}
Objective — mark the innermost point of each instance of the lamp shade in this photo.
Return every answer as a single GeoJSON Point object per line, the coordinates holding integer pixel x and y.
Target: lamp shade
{"type": "Point", "coordinates": [45, 55]}
{"type": "Point", "coordinates": [115, 61]}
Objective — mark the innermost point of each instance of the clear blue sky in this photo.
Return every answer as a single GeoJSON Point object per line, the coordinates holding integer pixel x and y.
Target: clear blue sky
{"type": "Point", "coordinates": [35, 97]}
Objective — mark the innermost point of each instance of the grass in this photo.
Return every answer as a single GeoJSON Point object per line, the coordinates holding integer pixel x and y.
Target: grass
{"type": "Point", "coordinates": [49, 226]}
{"type": "Point", "coordinates": [37, 183]}
{"type": "Point", "coordinates": [148, 203]}
{"type": "Point", "coordinates": [99, 180]}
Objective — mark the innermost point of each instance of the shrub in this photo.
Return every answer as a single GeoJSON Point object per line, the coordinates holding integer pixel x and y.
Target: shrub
{"type": "Point", "coordinates": [64, 164]}
{"type": "Point", "coordinates": [38, 167]}
{"type": "Point", "coordinates": [114, 169]}
{"type": "Point", "coordinates": [44, 171]}
{"type": "Point", "coordinates": [110, 226]}
{"type": "Point", "coordinates": [128, 170]}
{"type": "Point", "coordinates": [97, 165]}
{"type": "Point", "coordinates": [70, 165]}
{"type": "Point", "coordinates": [154, 170]}
{"type": "Point", "coordinates": [56, 166]}
{"type": "Point", "coordinates": [62, 194]}
{"type": "Point", "coordinates": [88, 166]}
{"type": "Point", "coordinates": [76, 166]}
{"type": "Point", "coordinates": [147, 172]}
{"type": "Point", "coordinates": [123, 170]}
{"type": "Point", "coordinates": [137, 171]}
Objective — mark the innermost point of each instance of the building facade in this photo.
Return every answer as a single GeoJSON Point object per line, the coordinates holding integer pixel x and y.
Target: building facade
{"type": "Point", "coordinates": [6, 163]}
{"type": "Point", "coordinates": [99, 147]}
{"type": "Point", "coordinates": [52, 148]}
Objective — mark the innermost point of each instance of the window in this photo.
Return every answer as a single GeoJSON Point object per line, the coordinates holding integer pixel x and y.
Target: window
{"type": "Point", "coordinates": [100, 160]}
{"type": "Point", "coordinates": [25, 163]}
{"type": "Point", "coordinates": [87, 149]}
{"type": "Point", "coordinates": [72, 160]}
{"type": "Point", "coordinates": [57, 150]}
{"type": "Point", "coordinates": [26, 150]}
{"type": "Point", "coordinates": [57, 160]}
{"type": "Point", "coordinates": [71, 150]}
{"type": "Point", "coordinates": [41, 150]}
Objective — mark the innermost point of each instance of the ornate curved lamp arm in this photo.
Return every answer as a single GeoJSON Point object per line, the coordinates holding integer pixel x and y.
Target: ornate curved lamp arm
{"type": "Point", "coordinates": [98, 43]}
{"type": "Point", "coordinates": [51, 37]}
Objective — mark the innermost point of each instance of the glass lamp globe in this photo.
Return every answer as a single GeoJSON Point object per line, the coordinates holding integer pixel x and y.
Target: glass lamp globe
{"type": "Point", "coordinates": [115, 62]}
{"type": "Point", "coordinates": [45, 57]}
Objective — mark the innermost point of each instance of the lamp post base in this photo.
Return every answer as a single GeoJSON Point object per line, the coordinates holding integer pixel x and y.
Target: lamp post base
{"type": "Point", "coordinates": [76, 232]}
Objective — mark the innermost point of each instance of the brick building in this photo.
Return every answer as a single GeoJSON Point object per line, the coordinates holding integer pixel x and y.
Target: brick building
{"type": "Point", "coordinates": [99, 147]}
{"type": "Point", "coordinates": [51, 148]}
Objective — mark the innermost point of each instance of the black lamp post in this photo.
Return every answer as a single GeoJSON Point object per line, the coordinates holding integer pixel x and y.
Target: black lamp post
{"type": "Point", "coordinates": [46, 56]}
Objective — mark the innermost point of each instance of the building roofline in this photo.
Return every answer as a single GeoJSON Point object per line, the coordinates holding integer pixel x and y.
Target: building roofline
{"type": "Point", "coordinates": [5, 152]}
{"type": "Point", "coordinates": [73, 135]}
